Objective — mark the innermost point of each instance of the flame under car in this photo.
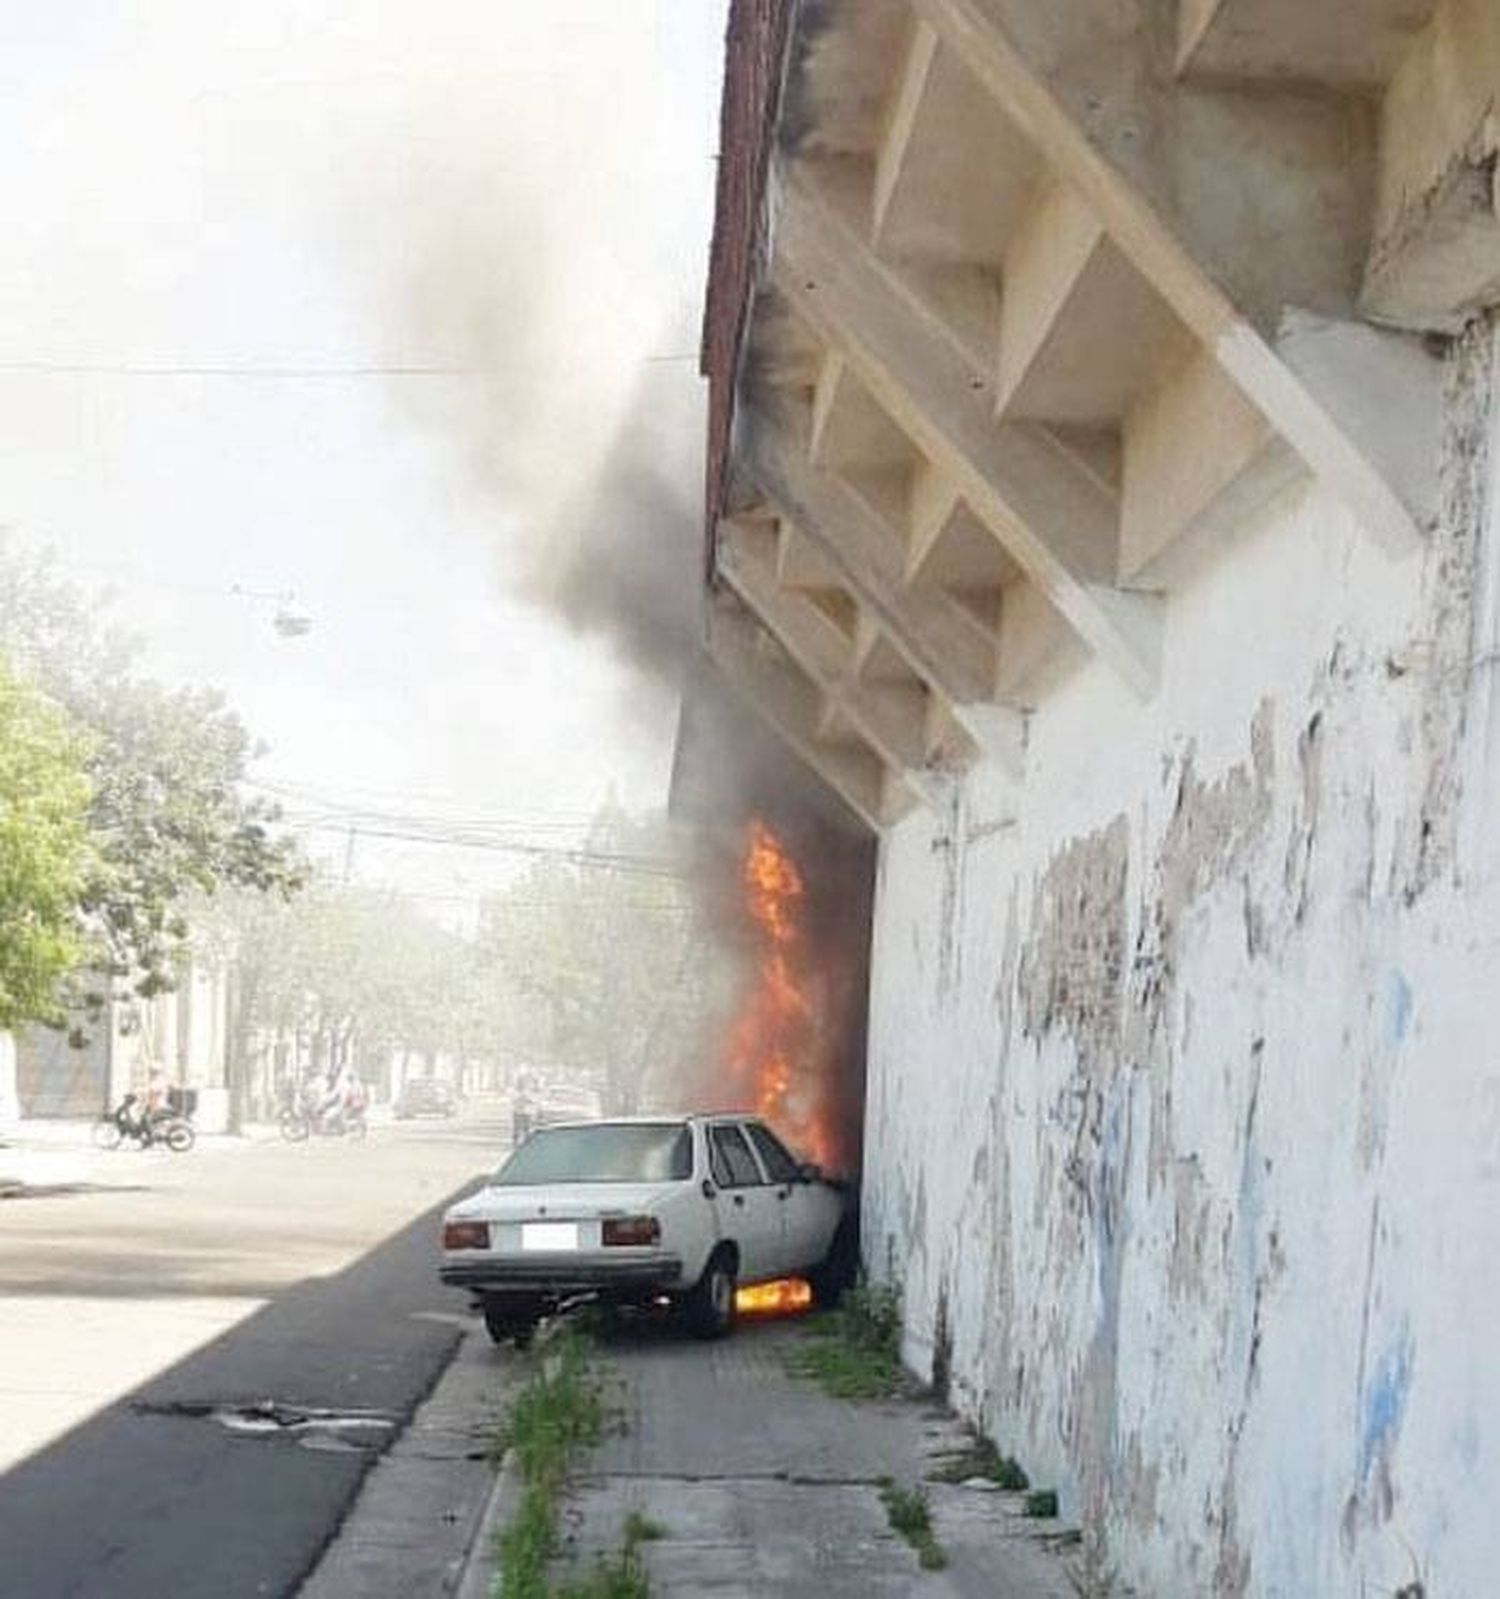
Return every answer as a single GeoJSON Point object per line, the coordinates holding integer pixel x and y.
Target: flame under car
{"type": "Point", "coordinates": [689, 1208]}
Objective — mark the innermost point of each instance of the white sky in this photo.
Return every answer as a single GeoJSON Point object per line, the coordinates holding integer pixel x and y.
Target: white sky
{"type": "Point", "coordinates": [324, 183]}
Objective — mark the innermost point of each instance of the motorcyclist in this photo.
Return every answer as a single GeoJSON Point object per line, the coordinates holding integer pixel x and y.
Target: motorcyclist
{"type": "Point", "coordinates": [132, 1123]}
{"type": "Point", "coordinates": [332, 1101]}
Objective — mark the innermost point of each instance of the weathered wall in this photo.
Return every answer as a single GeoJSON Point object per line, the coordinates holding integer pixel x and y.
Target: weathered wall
{"type": "Point", "coordinates": [1184, 1125]}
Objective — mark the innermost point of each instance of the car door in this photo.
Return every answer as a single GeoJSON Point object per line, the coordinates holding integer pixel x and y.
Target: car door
{"type": "Point", "coordinates": [808, 1216]}
{"type": "Point", "coordinates": [749, 1209]}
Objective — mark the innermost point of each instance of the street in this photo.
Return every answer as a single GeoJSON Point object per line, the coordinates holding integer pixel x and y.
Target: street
{"type": "Point", "coordinates": [203, 1354]}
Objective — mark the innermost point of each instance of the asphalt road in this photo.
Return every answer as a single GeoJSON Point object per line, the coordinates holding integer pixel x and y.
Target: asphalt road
{"type": "Point", "coordinates": [145, 1326]}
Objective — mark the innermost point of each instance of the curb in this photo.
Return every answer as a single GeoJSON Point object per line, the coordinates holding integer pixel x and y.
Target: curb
{"type": "Point", "coordinates": [477, 1579]}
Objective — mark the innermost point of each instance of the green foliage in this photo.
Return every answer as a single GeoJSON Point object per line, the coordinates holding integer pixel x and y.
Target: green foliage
{"type": "Point", "coordinates": [44, 851]}
{"type": "Point", "coordinates": [910, 1516]}
{"type": "Point", "coordinates": [357, 967]}
{"type": "Point", "coordinates": [556, 1414]}
{"type": "Point", "coordinates": [166, 812]}
{"type": "Point", "coordinates": [854, 1352]}
{"type": "Point", "coordinates": [621, 1576]}
{"type": "Point", "coordinates": [982, 1459]}
{"type": "Point", "coordinates": [1042, 1503]}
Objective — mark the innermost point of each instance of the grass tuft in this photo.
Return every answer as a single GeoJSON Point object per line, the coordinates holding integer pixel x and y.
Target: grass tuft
{"type": "Point", "coordinates": [854, 1352]}
{"type": "Point", "coordinates": [1042, 1503]}
{"type": "Point", "coordinates": [621, 1576]}
{"type": "Point", "coordinates": [982, 1459]}
{"type": "Point", "coordinates": [557, 1413]}
{"type": "Point", "coordinates": [910, 1515]}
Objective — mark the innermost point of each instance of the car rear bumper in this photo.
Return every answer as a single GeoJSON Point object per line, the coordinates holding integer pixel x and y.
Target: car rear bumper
{"type": "Point", "coordinates": [570, 1273]}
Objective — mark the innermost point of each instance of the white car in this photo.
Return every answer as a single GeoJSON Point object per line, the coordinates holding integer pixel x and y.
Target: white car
{"type": "Point", "coordinates": [687, 1208]}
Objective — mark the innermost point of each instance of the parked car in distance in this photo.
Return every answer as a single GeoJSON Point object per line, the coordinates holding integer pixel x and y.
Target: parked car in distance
{"type": "Point", "coordinates": [632, 1211]}
{"type": "Point", "coordinates": [548, 1104]}
{"type": "Point", "coordinates": [565, 1103]}
{"type": "Point", "coordinates": [424, 1096]}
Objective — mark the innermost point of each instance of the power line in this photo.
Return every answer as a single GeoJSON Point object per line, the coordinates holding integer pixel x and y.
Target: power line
{"type": "Point", "coordinates": [641, 865]}
{"type": "Point", "coordinates": [293, 373]}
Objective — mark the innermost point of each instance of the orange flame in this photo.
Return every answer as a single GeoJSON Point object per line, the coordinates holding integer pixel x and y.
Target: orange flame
{"type": "Point", "coordinates": [784, 1297]}
{"type": "Point", "coordinates": [775, 1046]}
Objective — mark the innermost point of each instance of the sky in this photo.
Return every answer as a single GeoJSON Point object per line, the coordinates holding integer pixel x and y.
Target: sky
{"type": "Point", "coordinates": [376, 304]}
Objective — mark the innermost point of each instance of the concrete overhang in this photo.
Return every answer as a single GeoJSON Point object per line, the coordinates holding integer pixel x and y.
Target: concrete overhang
{"type": "Point", "coordinates": [1029, 300]}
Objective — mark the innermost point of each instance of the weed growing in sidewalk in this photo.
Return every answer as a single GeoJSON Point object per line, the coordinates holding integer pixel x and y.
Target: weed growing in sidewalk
{"type": "Point", "coordinates": [621, 1576]}
{"type": "Point", "coordinates": [557, 1413]}
{"type": "Point", "coordinates": [908, 1512]}
{"type": "Point", "coordinates": [982, 1459]}
{"type": "Point", "coordinates": [854, 1351]}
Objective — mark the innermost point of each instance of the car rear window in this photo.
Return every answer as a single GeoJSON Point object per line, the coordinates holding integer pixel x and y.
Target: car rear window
{"type": "Point", "coordinates": [648, 1152]}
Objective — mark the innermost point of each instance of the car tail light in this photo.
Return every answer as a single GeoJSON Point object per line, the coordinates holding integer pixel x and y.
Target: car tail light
{"type": "Point", "coordinates": [466, 1235]}
{"type": "Point", "coordinates": [632, 1230]}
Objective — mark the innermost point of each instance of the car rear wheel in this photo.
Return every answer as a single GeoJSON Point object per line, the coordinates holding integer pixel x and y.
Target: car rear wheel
{"type": "Point", "coordinates": [506, 1322]}
{"type": "Point", "coordinates": [710, 1304]}
{"type": "Point", "coordinates": [839, 1269]}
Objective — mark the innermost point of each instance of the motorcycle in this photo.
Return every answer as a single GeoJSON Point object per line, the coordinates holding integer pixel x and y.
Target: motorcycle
{"type": "Point", "coordinates": [303, 1121]}
{"type": "Point", "coordinates": [128, 1124]}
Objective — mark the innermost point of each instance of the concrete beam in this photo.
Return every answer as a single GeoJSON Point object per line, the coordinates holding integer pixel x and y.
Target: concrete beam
{"type": "Point", "coordinates": [1235, 462]}
{"type": "Point", "coordinates": [1055, 520]}
{"type": "Point", "coordinates": [801, 564]}
{"type": "Point", "coordinates": [1035, 643]}
{"type": "Point", "coordinates": [901, 120]}
{"type": "Point", "coordinates": [943, 644]}
{"type": "Point", "coordinates": [1082, 333]}
{"type": "Point", "coordinates": [889, 719]}
{"type": "Point", "coordinates": [756, 669]}
{"type": "Point", "coordinates": [1435, 256]}
{"type": "Point", "coordinates": [934, 498]}
{"type": "Point", "coordinates": [1440, 264]}
{"type": "Point", "coordinates": [1146, 231]}
{"type": "Point", "coordinates": [825, 397]}
{"type": "Point", "coordinates": [1345, 44]}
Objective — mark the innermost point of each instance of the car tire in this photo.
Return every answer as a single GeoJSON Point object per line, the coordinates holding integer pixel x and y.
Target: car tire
{"type": "Point", "coordinates": [710, 1303]}
{"type": "Point", "coordinates": [839, 1269]}
{"type": "Point", "coordinates": [508, 1324]}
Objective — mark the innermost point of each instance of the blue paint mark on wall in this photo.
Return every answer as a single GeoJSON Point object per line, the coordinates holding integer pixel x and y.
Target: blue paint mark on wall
{"type": "Point", "coordinates": [1385, 1401]}
{"type": "Point", "coordinates": [1398, 1004]}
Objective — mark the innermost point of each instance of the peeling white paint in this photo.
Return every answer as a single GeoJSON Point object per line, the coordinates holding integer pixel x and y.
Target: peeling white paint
{"type": "Point", "coordinates": [1184, 1092]}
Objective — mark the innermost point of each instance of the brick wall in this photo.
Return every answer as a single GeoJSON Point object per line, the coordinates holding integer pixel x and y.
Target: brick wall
{"type": "Point", "coordinates": [755, 48]}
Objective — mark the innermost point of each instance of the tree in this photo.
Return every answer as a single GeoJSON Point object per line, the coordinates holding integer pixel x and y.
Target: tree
{"type": "Point", "coordinates": [44, 851]}
{"type": "Point", "coordinates": [166, 810]}
{"type": "Point", "coordinates": [609, 951]}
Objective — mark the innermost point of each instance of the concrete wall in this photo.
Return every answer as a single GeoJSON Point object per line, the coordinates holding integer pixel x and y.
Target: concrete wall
{"type": "Point", "coordinates": [1183, 1135]}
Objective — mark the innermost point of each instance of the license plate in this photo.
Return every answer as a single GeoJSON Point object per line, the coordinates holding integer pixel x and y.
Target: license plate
{"type": "Point", "coordinates": [549, 1235]}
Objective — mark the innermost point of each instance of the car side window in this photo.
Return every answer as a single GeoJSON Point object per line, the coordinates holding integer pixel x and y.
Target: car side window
{"type": "Point", "coordinates": [733, 1164]}
{"type": "Point", "coordinates": [780, 1167]}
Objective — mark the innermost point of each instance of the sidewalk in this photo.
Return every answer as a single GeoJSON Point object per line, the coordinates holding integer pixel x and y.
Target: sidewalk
{"type": "Point", "coordinates": [762, 1487]}
{"type": "Point", "coordinates": [418, 1525]}
{"type": "Point", "coordinates": [40, 1156]}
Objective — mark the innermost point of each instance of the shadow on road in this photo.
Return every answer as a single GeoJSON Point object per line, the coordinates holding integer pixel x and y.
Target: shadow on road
{"type": "Point", "coordinates": [149, 1498]}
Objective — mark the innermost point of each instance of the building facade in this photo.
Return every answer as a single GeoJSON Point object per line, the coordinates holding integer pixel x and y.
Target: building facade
{"type": "Point", "coordinates": [1103, 502]}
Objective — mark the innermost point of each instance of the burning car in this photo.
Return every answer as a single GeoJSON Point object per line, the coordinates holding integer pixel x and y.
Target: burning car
{"type": "Point", "coordinates": [687, 1209]}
